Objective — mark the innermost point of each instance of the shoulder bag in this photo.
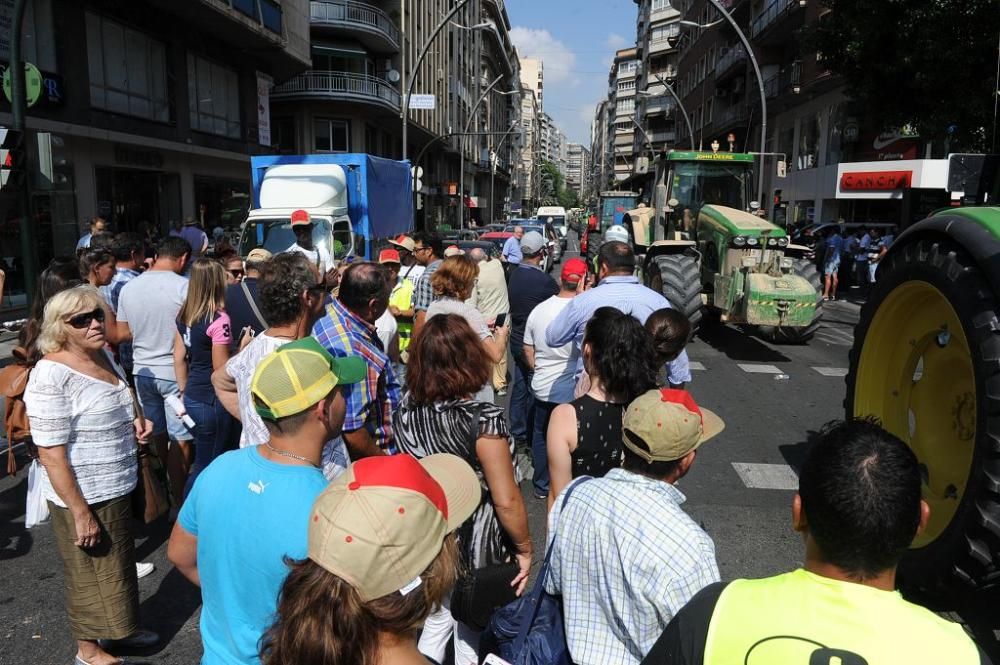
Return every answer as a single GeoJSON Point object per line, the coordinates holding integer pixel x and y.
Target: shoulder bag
{"type": "Point", "coordinates": [13, 381]}
{"type": "Point", "coordinates": [479, 592]}
{"type": "Point", "coordinates": [530, 630]}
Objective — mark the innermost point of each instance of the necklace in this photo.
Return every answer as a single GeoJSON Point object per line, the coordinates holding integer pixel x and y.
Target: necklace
{"type": "Point", "coordinates": [278, 451]}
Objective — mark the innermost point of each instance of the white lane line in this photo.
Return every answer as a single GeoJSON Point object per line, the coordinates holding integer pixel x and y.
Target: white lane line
{"type": "Point", "coordinates": [767, 476]}
{"type": "Point", "coordinates": [758, 369]}
{"type": "Point", "coordinates": [831, 371]}
{"type": "Point", "coordinates": [694, 364]}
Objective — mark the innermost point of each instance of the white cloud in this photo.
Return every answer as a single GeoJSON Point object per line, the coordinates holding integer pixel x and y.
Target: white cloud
{"type": "Point", "coordinates": [616, 41]}
{"type": "Point", "coordinates": [557, 58]}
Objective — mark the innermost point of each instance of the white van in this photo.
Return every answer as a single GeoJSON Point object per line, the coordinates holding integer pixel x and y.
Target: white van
{"type": "Point", "coordinates": [555, 215]}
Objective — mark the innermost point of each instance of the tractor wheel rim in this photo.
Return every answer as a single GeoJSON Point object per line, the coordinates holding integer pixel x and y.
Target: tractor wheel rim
{"type": "Point", "coordinates": [916, 375]}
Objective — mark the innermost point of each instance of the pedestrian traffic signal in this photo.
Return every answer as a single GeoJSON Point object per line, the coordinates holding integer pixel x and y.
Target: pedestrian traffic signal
{"type": "Point", "coordinates": [11, 157]}
{"type": "Point", "coordinates": [417, 173]}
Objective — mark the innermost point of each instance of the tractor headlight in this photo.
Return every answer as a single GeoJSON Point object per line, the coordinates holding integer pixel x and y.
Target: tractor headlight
{"type": "Point", "coordinates": [752, 242]}
{"type": "Point", "coordinates": [772, 242]}
{"type": "Point", "coordinates": [739, 241]}
{"type": "Point", "coordinates": [783, 242]}
{"type": "Point", "coordinates": [786, 263]}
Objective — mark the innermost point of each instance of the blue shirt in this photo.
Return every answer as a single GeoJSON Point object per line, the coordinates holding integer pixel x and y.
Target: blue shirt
{"type": "Point", "coordinates": [834, 246]}
{"type": "Point", "coordinates": [240, 313]}
{"type": "Point", "coordinates": [625, 293]}
{"type": "Point", "coordinates": [111, 292]}
{"type": "Point", "coordinates": [248, 513]}
{"type": "Point", "coordinates": [512, 250]}
{"type": "Point", "coordinates": [529, 285]}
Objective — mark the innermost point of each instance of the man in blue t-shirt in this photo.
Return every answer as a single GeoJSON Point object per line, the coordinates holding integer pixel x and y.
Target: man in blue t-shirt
{"type": "Point", "coordinates": [833, 247]}
{"type": "Point", "coordinates": [529, 285]}
{"type": "Point", "coordinates": [250, 508]}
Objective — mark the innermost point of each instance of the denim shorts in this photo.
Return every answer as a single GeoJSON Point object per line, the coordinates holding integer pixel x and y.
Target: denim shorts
{"type": "Point", "coordinates": [152, 392]}
{"type": "Point", "coordinates": [832, 266]}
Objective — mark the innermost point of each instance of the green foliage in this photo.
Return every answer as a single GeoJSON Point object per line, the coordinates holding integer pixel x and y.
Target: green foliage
{"type": "Point", "coordinates": [930, 64]}
{"type": "Point", "coordinates": [553, 189]}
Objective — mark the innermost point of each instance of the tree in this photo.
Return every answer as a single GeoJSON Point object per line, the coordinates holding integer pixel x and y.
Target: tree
{"type": "Point", "coordinates": [553, 188]}
{"type": "Point", "coordinates": [930, 64]}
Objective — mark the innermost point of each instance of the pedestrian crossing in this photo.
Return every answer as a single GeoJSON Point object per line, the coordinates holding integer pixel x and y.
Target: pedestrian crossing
{"type": "Point", "coordinates": [761, 368]}
{"type": "Point", "coordinates": [767, 476]}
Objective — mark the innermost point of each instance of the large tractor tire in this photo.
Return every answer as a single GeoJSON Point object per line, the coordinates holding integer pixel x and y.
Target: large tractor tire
{"type": "Point", "coordinates": [806, 269]}
{"type": "Point", "coordinates": [926, 363]}
{"type": "Point", "coordinates": [678, 278]}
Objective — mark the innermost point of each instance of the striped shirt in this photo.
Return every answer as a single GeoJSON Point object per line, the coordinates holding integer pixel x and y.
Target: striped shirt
{"type": "Point", "coordinates": [625, 559]}
{"type": "Point", "coordinates": [423, 296]}
{"type": "Point", "coordinates": [371, 402]}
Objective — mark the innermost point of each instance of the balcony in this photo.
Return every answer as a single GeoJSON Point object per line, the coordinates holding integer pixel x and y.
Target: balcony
{"type": "Point", "coordinates": [367, 23]}
{"type": "Point", "coordinates": [734, 116]}
{"type": "Point", "coordinates": [663, 137]}
{"type": "Point", "coordinates": [734, 61]}
{"type": "Point", "coordinates": [658, 105]}
{"type": "Point", "coordinates": [662, 44]}
{"type": "Point", "coordinates": [784, 82]}
{"type": "Point", "coordinates": [340, 86]}
{"type": "Point", "coordinates": [774, 14]}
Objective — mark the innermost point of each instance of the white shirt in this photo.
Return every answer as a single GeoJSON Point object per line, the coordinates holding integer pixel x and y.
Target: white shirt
{"type": "Point", "coordinates": [93, 419]}
{"type": "Point", "coordinates": [241, 368]}
{"type": "Point", "coordinates": [555, 368]}
{"type": "Point", "coordinates": [319, 257]}
{"type": "Point", "coordinates": [385, 328]}
{"type": "Point", "coordinates": [411, 273]}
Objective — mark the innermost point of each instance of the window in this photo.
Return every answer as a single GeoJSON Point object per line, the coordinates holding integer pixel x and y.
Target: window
{"type": "Point", "coordinates": [283, 135]}
{"type": "Point", "coordinates": [626, 85]}
{"type": "Point", "coordinates": [660, 5]}
{"type": "Point", "coordinates": [625, 106]}
{"type": "Point", "coordinates": [808, 156]}
{"type": "Point", "coordinates": [213, 98]}
{"type": "Point", "coordinates": [331, 135]}
{"type": "Point", "coordinates": [662, 32]}
{"type": "Point", "coordinates": [128, 70]}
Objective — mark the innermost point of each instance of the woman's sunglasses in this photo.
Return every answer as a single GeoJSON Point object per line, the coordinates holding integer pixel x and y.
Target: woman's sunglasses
{"type": "Point", "coordinates": [237, 273]}
{"type": "Point", "coordinates": [84, 320]}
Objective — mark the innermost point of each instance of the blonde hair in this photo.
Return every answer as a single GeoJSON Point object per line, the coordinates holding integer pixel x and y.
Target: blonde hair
{"type": "Point", "coordinates": [61, 306]}
{"type": "Point", "coordinates": [455, 277]}
{"type": "Point", "coordinates": [206, 292]}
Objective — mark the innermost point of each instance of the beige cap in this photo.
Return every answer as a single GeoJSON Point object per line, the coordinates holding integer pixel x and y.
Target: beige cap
{"type": "Point", "coordinates": [666, 424]}
{"type": "Point", "coordinates": [259, 254]}
{"type": "Point", "coordinates": [453, 250]}
{"type": "Point", "coordinates": [404, 242]}
{"type": "Point", "coordinates": [382, 522]}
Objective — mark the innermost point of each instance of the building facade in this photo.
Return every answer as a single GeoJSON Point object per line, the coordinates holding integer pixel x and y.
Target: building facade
{"type": "Point", "coordinates": [150, 113]}
{"type": "Point", "coordinates": [657, 31]}
{"type": "Point", "coordinates": [577, 168]}
{"type": "Point", "coordinates": [622, 82]}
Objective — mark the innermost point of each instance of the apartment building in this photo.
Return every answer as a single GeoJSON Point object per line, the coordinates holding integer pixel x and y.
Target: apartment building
{"type": "Point", "coordinates": [622, 81]}
{"type": "Point", "coordinates": [577, 168]}
{"type": "Point", "coordinates": [657, 31]}
{"type": "Point", "coordinates": [530, 150]}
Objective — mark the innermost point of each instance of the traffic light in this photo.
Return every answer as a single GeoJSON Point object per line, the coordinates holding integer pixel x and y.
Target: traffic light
{"type": "Point", "coordinates": [778, 203]}
{"type": "Point", "coordinates": [12, 161]}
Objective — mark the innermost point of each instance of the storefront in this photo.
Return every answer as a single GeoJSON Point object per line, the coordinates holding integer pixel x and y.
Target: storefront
{"type": "Point", "coordinates": [896, 191]}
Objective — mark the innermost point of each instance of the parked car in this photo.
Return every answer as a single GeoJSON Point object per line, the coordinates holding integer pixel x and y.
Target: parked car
{"type": "Point", "coordinates": [492, 249]}
{"type": "Point", "coordinates": [500, 237]}
{"type": "Point", "coordinates": [453, 236]}
{"type": "Point", "coordinates": [554, 242]}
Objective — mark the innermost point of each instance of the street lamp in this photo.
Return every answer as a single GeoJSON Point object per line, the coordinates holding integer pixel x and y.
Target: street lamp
{"type": "Point", "coordinates": [408, 84]}
{"type": "Point", "coordinates": [461, 148]}
{"type": "Point", "coordinates": [760, 87]}
{"type": "Point", "coordinates": [680, 104]}
{"type": "Point", "coordinates": [493, 166]}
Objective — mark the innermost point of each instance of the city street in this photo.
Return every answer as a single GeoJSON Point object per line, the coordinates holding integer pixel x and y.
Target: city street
{"type": "Point", "coordinates": [740, 489]}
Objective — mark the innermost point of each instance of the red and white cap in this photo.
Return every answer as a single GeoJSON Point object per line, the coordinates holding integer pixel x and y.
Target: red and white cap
{"type": "Point", "coordinates": [301, 218]}
{"type": "Point", "coordinates": [382, 522]}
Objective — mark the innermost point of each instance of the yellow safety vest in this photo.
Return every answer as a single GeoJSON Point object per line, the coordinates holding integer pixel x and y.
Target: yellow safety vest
{"type": "Point", "coordinates": [402, 298]}
{"type": "Point", "coordinates": [804, 619]}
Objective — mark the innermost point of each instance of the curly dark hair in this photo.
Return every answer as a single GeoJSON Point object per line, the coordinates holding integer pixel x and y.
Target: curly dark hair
{"type": "Point", "coordinates": [282, 281]}
{"type": "Point", "coordinates": [447, 361]}
{"type": "Point", "coordinates": [617, 351]}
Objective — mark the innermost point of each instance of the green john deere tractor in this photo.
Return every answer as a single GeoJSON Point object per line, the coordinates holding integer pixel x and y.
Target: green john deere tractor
{"type": "Point", "coordinates": [702, 249]}
{"type": "Point", "coordinates": [926, 363]}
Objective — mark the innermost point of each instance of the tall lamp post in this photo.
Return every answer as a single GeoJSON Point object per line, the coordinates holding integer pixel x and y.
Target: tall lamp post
{"type": "Point", "coordinates": [493, 166]}
{"type": "Point", "coordinates": [461, 151]}
{"type": "Point", "coordinates": [408, 84]}
{"type": "Point", "coordinates": [760, 86]}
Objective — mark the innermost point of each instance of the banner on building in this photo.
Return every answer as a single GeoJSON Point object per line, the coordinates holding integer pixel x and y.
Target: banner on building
{"type": "Point", "coordinates": [264, 84]}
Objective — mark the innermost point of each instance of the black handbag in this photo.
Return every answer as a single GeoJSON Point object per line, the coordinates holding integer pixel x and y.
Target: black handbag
{"type": "Point", "coordinates": [481, 591]}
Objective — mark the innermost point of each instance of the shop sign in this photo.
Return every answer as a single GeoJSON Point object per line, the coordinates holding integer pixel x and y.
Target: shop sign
{"type": "Point", "coordinates": [264, 83]}
{"type": "Point", "coordinates": [452, 188]}
{"type": "Point", "coordinates": [875, 180]}
{"type": "Point", "coordinates": [127, 156]}
{"type": "Point", "coordinates": [42, 89]}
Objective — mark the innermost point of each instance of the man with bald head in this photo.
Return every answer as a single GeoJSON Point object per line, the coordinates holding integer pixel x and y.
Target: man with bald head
{"type": "Point", "coordinates": [347, 329]}
{"type": "Point", "coordinates": [490, 297]}
{"type": "Point", "coordinates": [512, 248]}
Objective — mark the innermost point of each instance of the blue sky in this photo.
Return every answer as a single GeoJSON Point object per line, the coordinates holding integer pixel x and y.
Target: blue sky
{"type": "Point", "coordinates": [576, 39]}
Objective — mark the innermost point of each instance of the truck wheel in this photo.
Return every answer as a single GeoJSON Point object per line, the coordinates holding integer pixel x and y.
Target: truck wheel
{"type": "Point", "coordinates": [787, 335]}
{"type": "Point", "coordinates": [678, 278]}
{"type": "Point", "coordinates": [925, 363]}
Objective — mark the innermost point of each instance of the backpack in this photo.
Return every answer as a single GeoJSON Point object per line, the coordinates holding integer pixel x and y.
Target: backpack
{"type": "Point", "coordinates": [13, 381]}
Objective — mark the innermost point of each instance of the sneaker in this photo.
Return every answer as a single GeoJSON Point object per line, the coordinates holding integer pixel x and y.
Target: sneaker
{"type": "Point", "coordinates": [142, 569]}
{"type": "Point", "coordinates": [141, 639]}
{"type": "Point", "coordinates": [541, 495]}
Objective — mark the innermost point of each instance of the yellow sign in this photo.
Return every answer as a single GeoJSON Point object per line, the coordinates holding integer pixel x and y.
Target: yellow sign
{"type": "Point", "coordinates": [716, 156]}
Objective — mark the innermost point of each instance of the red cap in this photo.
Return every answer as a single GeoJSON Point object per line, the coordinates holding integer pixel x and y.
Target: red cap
{"type": "Point", "coordinates": [388, 256]}
{"type": "Point", "coordinates": [574, 270]}
{"type": "Point", "coordinates": [300, 218]}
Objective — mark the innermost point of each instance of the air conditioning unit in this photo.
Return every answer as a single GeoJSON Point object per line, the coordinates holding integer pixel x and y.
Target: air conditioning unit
{"type": "Point", "coordinates": [642, 165]}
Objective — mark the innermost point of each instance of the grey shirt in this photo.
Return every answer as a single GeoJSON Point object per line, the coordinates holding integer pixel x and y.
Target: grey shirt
{"type": "Point", "coordinates": [149, 304]}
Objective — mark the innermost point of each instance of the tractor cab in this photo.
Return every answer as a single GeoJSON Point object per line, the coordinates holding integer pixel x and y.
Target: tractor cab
{"type": "Point", "coordinates": [694, 179]}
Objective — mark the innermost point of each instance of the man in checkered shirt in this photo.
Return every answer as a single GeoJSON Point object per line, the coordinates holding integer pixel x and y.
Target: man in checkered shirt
{"type": "Point", "coordinates": [428, 250]}
{"type": "Point", "coordinates": [625, 556]}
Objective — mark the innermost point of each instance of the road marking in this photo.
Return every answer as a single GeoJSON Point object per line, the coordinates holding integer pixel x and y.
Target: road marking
{"type": "Point", "coordinates": [758, 369]}
{"type": "Point", "coordinates": [767, 476]}
{"type": "Point", "coordinates": [694, 364]}
{"type": "Point", "coordinates": [832, 371]}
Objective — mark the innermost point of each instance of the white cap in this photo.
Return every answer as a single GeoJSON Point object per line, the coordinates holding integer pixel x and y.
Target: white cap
{"type": "Point", "coordinates": [616, 232]}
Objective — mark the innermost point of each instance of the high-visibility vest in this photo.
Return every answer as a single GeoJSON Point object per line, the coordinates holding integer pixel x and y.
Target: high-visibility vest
{"type": "Point", "coordinates": [402, 298]}
{"type": "Point", "coordinates": [804, 619]}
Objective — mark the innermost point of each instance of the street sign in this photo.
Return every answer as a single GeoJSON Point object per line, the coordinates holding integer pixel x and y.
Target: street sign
{"type": "Point", "coordinates": [782, 168]}
{"type": "Point", "coordinates": [32, 83]}
{"type": "Point", "coordinates": [422, 102]}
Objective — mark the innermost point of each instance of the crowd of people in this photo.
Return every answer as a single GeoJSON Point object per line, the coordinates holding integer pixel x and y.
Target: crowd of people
{"type": "Point", "coordinates": [338, 463]}
{"type": "Point", "coordinates": [851, 258]}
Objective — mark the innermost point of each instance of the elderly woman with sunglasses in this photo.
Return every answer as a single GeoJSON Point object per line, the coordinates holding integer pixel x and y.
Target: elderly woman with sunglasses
{"type": "Point", "coordinates": [83, 422]}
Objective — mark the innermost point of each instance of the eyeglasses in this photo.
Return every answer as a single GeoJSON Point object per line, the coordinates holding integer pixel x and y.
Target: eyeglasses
{"type": "Point", "coordinates": [420, 249]}
{"type": "Point", "coordinates": [237, 273]}
{"type": "Point", "coordinates": [81, 321]}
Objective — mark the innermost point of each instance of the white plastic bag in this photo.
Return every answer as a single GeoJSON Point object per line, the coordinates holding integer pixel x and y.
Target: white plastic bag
{"type": "Point", "coordinates": [37, 510]}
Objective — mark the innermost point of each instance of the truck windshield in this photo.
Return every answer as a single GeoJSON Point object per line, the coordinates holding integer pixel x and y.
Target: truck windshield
{"type": "Point", "coordinates": [614, 208]}
{"type": "Point", "coordinates": [275, 235]}
{"type": "Point", "coordinates": [697, 183]}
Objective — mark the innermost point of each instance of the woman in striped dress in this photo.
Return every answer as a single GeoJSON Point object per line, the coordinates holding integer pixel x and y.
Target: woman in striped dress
{"type": "Point", "coordinates": [447, 365]}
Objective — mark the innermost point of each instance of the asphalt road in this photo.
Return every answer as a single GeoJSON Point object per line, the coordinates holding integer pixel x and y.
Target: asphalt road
{"type": "Point", "coordinates": [772, 399]}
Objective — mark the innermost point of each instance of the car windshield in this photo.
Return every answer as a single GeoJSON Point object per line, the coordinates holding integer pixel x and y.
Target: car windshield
{"type": "Point", "coordinates": [275, 235]}
{"type": "Point", "coordinates": [698, 183]}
